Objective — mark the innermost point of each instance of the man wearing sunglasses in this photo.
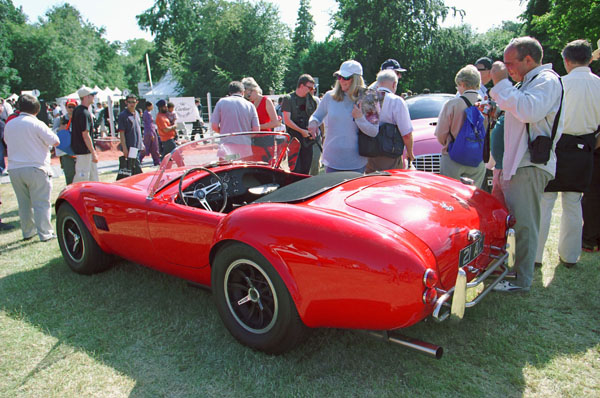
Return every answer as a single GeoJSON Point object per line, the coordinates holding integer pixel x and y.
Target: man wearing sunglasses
{"type": "Point", "coordinates": [297, 108]}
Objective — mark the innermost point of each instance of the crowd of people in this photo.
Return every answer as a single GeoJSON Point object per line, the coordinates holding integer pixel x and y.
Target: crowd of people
{"type": "Point", "coordinates": [542, 132]}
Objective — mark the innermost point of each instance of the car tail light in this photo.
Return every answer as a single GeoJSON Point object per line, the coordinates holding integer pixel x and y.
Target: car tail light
{"type": "Point", "coordinates": [511, 221]}
{"type": "Point", "coordinates": [429, 296]}
{"type": "Point", "coordinates": [430, 278]}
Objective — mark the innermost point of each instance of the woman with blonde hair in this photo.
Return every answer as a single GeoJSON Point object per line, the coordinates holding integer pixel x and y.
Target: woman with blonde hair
{"type": "Point", "coordinates": [343, 118]}
{"type": "Point", "coordinates": [267, 116]}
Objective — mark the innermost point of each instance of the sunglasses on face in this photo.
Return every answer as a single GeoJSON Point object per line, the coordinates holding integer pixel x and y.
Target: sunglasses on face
{"type": "Point", "coordinates": [71, 107]}
{"type": "Point", "coordinates": [344, 78]}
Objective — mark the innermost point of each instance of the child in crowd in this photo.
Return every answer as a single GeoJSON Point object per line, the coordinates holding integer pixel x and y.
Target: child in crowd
{"type": "Point", "coordinates": [171, 115]}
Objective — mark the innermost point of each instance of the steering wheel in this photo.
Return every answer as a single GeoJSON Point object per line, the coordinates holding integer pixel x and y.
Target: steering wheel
{"type": "Point", "coordinates": [201, 194]}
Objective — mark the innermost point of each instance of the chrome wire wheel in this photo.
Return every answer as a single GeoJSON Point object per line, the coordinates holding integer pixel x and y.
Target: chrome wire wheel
{"type": "Point", "coordinates": [72, 239]}
{"type": "Point", "coordinates": [250, 296]}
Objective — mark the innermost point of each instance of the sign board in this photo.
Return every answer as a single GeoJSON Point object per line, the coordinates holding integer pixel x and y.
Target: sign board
{"type": "Point", "coordinates": [186, 109]}
{"type": "Point", "coordinates": [143, 88]}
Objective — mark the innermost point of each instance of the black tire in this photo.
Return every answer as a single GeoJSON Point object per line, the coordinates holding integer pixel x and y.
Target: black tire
{"type": "Point", "coordinates": [267, 320]}
{"type": "Point", "coordinates": [78, 247]}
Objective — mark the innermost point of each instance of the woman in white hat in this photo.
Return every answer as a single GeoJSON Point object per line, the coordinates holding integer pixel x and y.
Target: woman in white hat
{"type": "Point", "coordinates": [342, 119]}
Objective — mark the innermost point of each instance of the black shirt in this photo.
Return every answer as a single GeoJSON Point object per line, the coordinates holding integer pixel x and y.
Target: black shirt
{"type": "Point", "coordinates": [82, 120]}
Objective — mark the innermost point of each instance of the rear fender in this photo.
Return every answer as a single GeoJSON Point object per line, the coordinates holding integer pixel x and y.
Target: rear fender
{"type": "Point", "coordinates": [335, 264]}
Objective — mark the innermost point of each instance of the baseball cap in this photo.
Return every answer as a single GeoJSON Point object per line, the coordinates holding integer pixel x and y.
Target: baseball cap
{"type": "Point", "coordinates": [85, 91]}
{"type": "Point", "coordinates": [349, 68]}
{"type": "Point", "coordinates": [392, 64]}
{"type": "Point", "coordinates": [71, 102]}
{"type": "Point", "coordinates": [485, 61]}
{"type": "Point", "coordinates": [160, 103]}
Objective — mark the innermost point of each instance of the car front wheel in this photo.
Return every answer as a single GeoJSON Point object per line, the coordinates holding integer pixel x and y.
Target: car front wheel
{"type": "Point", "coordinates": [253, 301]}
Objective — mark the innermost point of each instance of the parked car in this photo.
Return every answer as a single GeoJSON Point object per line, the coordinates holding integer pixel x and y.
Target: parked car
{"type": "Point", "coordinates": [424, 110]}
{"type": "Point", "coordinates": [284, 252]}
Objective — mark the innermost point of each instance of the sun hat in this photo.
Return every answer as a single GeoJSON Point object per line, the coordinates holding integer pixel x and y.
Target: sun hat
{"type": "Point", "coordinates": [349, 68]}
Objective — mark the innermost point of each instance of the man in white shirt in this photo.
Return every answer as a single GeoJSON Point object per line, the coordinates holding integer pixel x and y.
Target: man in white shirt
{"type": "Point", "coordinates": [29, 168]}
{"type": "Point", "coordinates": [393, 111]}
{"type": "Point", "coordinates": [575, 153]}
{"type": "Point", "coordinates": [531, 112]}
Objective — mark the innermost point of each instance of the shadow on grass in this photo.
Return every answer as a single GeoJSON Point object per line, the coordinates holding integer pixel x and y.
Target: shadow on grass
{"type": "Point", "coordinates": [168, 338]}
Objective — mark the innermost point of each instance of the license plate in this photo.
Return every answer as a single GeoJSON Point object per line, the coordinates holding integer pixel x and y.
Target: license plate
{"type": "Point", "coordinates": [471, 252]}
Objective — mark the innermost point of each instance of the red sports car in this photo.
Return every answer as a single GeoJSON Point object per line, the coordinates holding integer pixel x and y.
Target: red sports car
{"type": "Point", "coordinates": [283, 251]}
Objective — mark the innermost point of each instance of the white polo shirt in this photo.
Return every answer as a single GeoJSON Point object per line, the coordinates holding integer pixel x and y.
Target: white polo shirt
{"type": "Point", "coordinates": [28, 140]}
{"type": "Point", "coordinates": [582, 101]}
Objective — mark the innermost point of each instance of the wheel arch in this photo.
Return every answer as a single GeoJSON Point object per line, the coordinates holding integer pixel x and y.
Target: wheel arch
{"type": "Point", "coordinates": [77, 204]}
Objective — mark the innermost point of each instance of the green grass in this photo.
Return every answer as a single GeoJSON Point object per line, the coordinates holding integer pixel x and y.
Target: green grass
{"type": "Point", "coordinates": [133, 332]}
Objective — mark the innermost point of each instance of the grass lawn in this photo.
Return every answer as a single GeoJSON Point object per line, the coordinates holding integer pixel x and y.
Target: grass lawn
{"type": "Point", "coordinates": [133, 332]}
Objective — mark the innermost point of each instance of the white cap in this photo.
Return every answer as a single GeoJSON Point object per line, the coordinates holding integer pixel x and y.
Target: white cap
{"type": "Point", "coordinates": [85, 91]}
{"type": "Point", "coordinates": [349, 68]}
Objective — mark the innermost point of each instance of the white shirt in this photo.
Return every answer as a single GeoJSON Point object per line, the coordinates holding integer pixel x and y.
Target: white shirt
{"type": "Point", "coordinates": [536, 103]}
{"type": "Point", "coordinates": [395, 111]}
{"type": "Point", "coordinates": [582, 101]}
{"type": "Point", "coordinates": [28, 139]}
{"type": "Point", "coordinates": [7, 111]}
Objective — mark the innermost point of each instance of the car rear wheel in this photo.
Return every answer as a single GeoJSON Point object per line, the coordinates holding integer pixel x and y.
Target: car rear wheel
{"type": "Point", "coordinates": [253, 301]}
{"type": "Point", "coordinates": [78, 247]}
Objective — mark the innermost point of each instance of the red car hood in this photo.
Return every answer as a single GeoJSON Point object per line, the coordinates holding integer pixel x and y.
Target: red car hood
{"type": "Point", "coordinates": [438, 211]}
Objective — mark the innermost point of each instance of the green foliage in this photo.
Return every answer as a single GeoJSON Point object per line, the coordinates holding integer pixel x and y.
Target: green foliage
{"type": "Point", "coordinates": [387, 29]}
{"type": "Point", "coordinates": [210, 42]}
{"type": "Point", "coordinates": [303, 32]}
{"type": "Point", "coordinates": [320, 60]}
{"type": "Point", "coordinates": [556, 22]}
{"type": "Point", "coordinates": [9, 15]}
{"type": "Point", "coordinates": [133, 56]}
{"type": "Point", "coordinates": [63, 52]}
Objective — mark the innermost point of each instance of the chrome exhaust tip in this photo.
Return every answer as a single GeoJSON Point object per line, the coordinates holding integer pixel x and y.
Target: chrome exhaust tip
{"type": "Point", "coordinates": [418, 345]}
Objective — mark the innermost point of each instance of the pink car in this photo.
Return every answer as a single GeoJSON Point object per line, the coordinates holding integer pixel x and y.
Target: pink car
{"type": "Point", "coordinates": [424, 110]}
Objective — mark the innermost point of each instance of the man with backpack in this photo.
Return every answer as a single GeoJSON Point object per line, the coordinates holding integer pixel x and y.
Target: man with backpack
{"type": "Point", "coordinates": [532, 125]}
{"type": "Point", "coordinates": [460, 130]}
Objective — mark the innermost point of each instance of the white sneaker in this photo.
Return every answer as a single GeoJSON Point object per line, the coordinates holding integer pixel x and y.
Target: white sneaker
{"type": "Point", "coordinates": [508, 287]}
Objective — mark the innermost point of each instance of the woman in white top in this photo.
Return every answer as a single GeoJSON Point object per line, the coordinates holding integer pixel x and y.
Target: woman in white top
{"type": "Point", "coordinates": [342, 119]}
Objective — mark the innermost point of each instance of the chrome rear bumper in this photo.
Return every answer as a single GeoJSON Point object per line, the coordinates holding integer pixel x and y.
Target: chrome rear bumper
{"type": "Point", "coordinates": [458, 294]}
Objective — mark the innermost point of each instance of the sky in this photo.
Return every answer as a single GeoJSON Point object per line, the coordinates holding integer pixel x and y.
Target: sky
{"type": "Point", "coordinates": [120, 22]}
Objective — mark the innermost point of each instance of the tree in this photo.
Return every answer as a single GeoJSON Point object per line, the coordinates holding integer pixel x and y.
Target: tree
{"type": "Point", "coordinates": [9, 15]}
{"type": "Point", "coordinates": [556, 22]}
{"type": "Point", "coordinates": [387, 29]}
{"type": "Point", "coordinates": [219, 42]}
{"type": "Point", "coordinates": [133, 57]}
{"type": "Point", "coordinates": [63, 52]}
{"type": "Point", "coordinates": [303, 32]}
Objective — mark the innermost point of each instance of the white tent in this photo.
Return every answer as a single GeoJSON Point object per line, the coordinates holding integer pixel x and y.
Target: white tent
{"type": "Point", "coordinates": [165, 88]}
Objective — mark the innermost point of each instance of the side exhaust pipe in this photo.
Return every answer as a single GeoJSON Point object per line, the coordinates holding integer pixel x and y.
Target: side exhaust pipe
{"type": "Point", "coordinates": [421, 346]}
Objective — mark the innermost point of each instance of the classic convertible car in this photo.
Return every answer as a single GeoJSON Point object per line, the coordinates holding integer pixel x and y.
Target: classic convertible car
{"type": "Point", "coordinates": [283, 252]}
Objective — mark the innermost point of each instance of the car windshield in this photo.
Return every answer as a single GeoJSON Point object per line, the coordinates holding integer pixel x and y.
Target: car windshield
{"type": "Point", "coordinates": [264, 148]}
{"type": "Point", "coordinates": [426, 106]}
